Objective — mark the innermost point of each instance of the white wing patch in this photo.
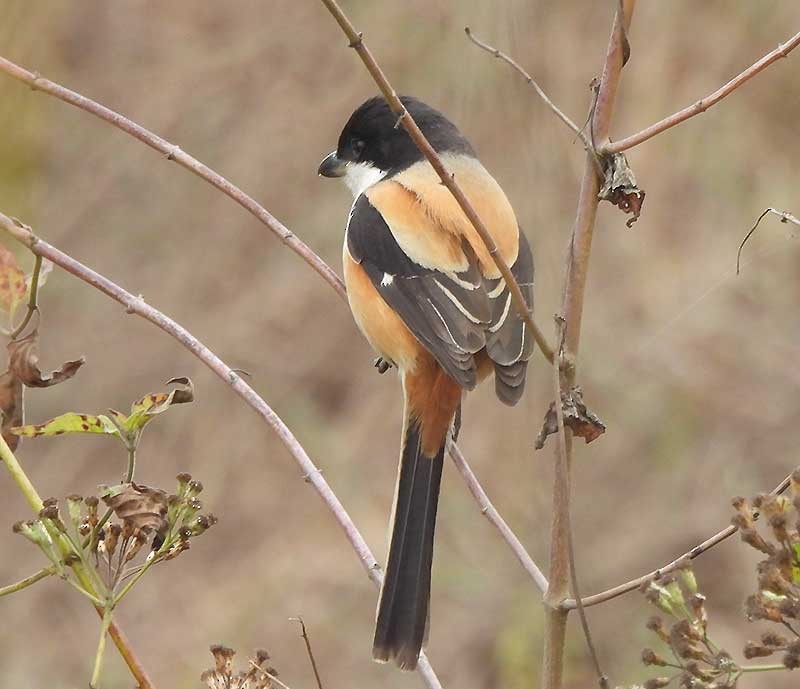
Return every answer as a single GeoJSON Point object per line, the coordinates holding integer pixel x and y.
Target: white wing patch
{"type": "Point", "coordinates": [387, 279]}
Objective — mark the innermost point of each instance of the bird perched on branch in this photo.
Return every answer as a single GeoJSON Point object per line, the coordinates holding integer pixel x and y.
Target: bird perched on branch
{"type": "Point", "coordinates": [428, 296]}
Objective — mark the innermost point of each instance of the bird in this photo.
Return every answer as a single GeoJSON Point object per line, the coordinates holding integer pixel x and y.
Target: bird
{"type": "Point", "coordinates": [427, 295]}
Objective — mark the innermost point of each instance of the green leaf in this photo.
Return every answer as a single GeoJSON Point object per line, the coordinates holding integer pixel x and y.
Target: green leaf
{"type": "Point", "coordinates": [796, 563]}
{"type": "Point", "coordinates": [155, 403]}
{"type": "Point", "coordinates": [69, 423]}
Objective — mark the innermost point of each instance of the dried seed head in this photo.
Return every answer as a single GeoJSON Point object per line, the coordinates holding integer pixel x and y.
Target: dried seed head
{"type": "Point", "coordinates": [223, 657]}
{"type": "Point", "coordinates": [657, 682]}
{"type": "Point", "coordinates": [791, 661]}
{"type": "Point", "coordinates": [49, 502]}
{"type": "Point", "coordinates": [195, 488]}
{"type": "Point", "coordinates": [774, 639]}
{"type": "Point", "coordinates": [650, 657]}
{"type": "Point", "coordinates": [754, 650]}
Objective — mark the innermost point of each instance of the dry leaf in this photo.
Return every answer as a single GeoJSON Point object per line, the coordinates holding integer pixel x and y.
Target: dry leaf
{"type": "Point", "coordinates": [11, 406]}
{"type": "Point", "coordinates": [12, 282]}
{"type": "Point", "coordinates": [141, 507]}
{"type": "Point", "coordinates": [619, 187]}
{"type": "Point", "coordinates": [23, 357]}
{"type": "Point", "coordinates": [577, 416]}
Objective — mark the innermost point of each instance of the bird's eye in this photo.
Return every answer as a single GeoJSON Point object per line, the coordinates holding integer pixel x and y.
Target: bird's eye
{"type": "Point", "coordinates": [358, 147]}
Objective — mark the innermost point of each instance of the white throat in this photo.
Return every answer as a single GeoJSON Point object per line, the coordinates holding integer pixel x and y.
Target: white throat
{"type": "Point", "coordinates": [361, 176]}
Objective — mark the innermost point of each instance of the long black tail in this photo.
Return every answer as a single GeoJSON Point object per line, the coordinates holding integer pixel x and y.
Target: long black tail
{"type": "Point", "coordinates": [402, 624]}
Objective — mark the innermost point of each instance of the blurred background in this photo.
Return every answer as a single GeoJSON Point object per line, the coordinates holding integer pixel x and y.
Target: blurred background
{"type": "Point", "coordinates": [692, 367]}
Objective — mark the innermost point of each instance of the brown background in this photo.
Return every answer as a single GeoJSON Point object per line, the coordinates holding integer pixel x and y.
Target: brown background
{"type": "Point", "coordinates": [692, 368]}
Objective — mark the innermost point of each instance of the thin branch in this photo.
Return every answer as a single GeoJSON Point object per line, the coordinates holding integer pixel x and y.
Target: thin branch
{"type": "Point", "coordinates": [563, 468]}
{"type": "Point", "coordinates": [695, 552]}
{"type": "Point", "coordinates": [407, 122]}
{"type": "Point", "coordinates": [702, 105]}
{"type": "Point", "coordinates": [575, 277]}
{"type": "Point", "coordinates": [308, 649]}
{"type": "Point", "coordinates": [32, 299]}
{"type": "Point", "coordinates": [783, 215]}
{"type": "Point", "coordinates": [27, 581]}
{"type": "Point", "coordinates": [491, 513]}
{"type": "Point", "coordinates": [174, 152]}
{"type": "Point", "coordinates": [137, 305]}
{"type": "Point", "coordinates": [500, 55]}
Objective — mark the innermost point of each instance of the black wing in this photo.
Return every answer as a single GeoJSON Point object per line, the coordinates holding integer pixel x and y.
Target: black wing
{"type": "Point", "coordinates": [509, 341]}
{"type": "Point", "coordinates": [449, 313]}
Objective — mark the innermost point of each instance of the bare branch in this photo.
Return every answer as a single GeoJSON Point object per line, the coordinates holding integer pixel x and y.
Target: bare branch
{"type": "Point", "coordinates": [783, 215]}
{"type": "Point", "coordinates": [307, 641]}
{"type": "Point", "coordinates": [491, 513]}
{"type": "Point", "coordinates": [572, 310]}
{"type": "Point", "coordinates": [407, 122]}
{"type": "Point", "coordinates": [514, 64]}
{"type": "Point", "coordinates": [137, 305]}
{"type": "Point", "coordinates": [702, 105]}
{"type": "Point", "coordinates": [174, 152]}
{"type": "Point", "coordinates": [698, 550]}
{"type": "Point", "coordinates": [562, 468]}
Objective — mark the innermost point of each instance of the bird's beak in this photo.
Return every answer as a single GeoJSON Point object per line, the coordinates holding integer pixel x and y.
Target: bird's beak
{"type": "Point", "coordinates": [332, 166]}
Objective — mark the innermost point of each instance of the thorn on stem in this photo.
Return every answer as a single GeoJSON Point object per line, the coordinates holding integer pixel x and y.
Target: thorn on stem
{"type": "Point", "coordinates": [358, 42]}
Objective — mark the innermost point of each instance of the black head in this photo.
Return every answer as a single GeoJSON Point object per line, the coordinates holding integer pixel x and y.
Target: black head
{"type": "Point", "coordinates": [372, 136]}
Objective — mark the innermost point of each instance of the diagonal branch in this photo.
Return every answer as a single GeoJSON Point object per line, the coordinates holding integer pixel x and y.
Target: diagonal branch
{"type": "Point", "coordinates": [491, 513]}
{"type": "Point", "coordinates": [702, 105]}
{"type": "Point", "coordinates": [500, 55]}
{"type": "Point", "coordinates": [698, 550]}
{"type": "Point", "coordinates": [174, 152]}
{"type": "Point", "coordinates": [407, 122]}
{"type": "Point", "coordinates": [137, 305]}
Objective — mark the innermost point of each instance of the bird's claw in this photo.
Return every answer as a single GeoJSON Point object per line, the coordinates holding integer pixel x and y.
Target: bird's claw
{"type": "Point", "coordinates": [382, 365]}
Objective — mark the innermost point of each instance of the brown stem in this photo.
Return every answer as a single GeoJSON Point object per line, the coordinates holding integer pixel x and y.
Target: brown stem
{"type": "Point", "coordinates": [173, 152]}
{"type": "Point", "coordinates": [572, 308]}
{"type": "Point", "coordinates": [137, 305]}
{"type": "Point", "coordinates": [699, 549]}
{"type": "Point", "coordinates": [408, 123]}
{"type": "Point", "coordinates": [702, 105]}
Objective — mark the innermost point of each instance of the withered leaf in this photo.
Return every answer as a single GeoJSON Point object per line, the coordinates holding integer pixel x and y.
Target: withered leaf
{"type": "Point", "coordinates": [12, 282]}
{"type": "Point", "coordinates": [156, 403]}
{"type": "Point", "coordinates": [142, 507]}
{"type": "Point", "coordinates": [23, 359]}
{"type": "Point", "coordinates": [11, 406]}
{"type": "Point", "coordinates": [619, 187]}
{"type": "Point", "coordinates": [577, 416]}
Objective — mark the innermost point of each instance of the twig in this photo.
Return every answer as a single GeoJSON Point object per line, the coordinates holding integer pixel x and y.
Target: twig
{"type": "Point", "coordinates": [695, 552]}
{"type": "Point", "coordinates": [491, 513]}
{"type": "Point", "coordinates": [404, 118]}
{"type": "Point", "coordinates": [500, 55]}
{"type": "Point", "coordinates": [572, 309]}
{"type": "Point", "coordinates": [783, 215]}
{"type": "Point", "coordinates": [702, 105]}
{"type": "Point", "coordinates": [35, 501]}
{"type": "Point", "coordinates": [308, 649]}
{"type": "Point", "coordinates": [562, 467]}
{"type": "Point", "coordinates": [101, 647]}
{"type": "Point", "coordinates": [174, 152]}
{"type": "Point", "coordinates": [137, 305]}
{"type": "Point", "coordinates": [32, 299]}
{"type": "Point", "coordinates": [27, 581]}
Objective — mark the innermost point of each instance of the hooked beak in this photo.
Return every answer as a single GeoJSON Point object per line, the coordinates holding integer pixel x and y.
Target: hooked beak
{"type": "Point", "coordinates": [332, 166]}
